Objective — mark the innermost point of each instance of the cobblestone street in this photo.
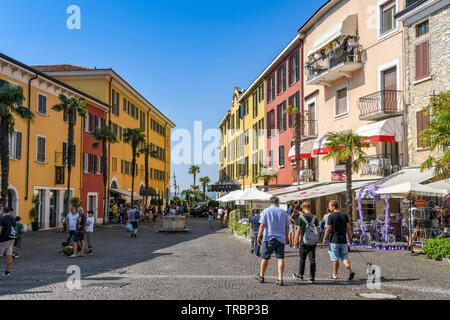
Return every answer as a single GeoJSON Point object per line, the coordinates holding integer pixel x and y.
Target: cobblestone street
{"type": "Point", "coordinates": [204, 264]}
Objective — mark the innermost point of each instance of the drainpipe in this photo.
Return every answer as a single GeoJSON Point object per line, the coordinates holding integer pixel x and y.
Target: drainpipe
{"type": "Point", "coordinates": [405, 102]}
{"type": "Point", "coordinates": [108, 190]}
{"type": "Point", "coordinates": [27, 175]}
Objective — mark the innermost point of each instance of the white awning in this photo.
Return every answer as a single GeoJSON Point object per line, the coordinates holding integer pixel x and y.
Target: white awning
{"type": "Point", "coordinates": [252, 194]}
{"type": "Point", "coordinates": [318, 148]}
{"type": "Point", "coordinates": [306, 149]}
{"type": "Point", "coordinates": [389, 130]}
{"type": "Point", "coordinates": [443, 185]}
{"type": "Point", "coordinates": [346, 27]}
{"type": "Point", "coordinates": [126, 193]}
{"type": "Point", "coordinates": [322, 191]}
{"type": "Point", "coordinates": [412, 188]}
{"type": "Point", "coordinates": [232, 196]}
{"type": "Point", "coordinates": [292, 189]}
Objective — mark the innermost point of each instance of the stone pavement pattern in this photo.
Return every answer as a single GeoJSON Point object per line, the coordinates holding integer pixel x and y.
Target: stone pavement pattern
{"type": "Point", "coordinates": [204, 264]}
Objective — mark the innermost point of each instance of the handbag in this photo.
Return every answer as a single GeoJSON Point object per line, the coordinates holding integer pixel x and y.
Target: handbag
{"type": "Point", "coordinates": [129, 227]}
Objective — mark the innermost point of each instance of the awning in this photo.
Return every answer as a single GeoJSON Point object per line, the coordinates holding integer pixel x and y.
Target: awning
{"type": "Point", "coordinates": [412, 188]}
{"type": "Point", "coordinates": [306, 149]}
{"type": "Point", "coordinates": [126, 193]}
{"type": "Point", "coordinates": [441, 185]}
{"type": "Point", "coordinates": [322, 191]}
{"type": "Point", "coordinates": [346, 27]}
{"type": "Point", "coordinates": [318, 148]}
{"type": "Point", "coordinates": [232, 196]}
{"type": "Point", "coordinates": [291, 189]}
{"type": "Point", "coordinates": [252, 194]}
{"type": "Point", "coordinates": [390, 130]}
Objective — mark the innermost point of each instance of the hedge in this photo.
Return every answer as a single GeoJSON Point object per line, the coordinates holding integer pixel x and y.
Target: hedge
{"type": "Point", "coordinates": [437, 248]}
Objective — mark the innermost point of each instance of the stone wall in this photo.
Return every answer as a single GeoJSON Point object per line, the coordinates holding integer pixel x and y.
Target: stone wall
{"type": "Point", "coordinates": [418, 94]}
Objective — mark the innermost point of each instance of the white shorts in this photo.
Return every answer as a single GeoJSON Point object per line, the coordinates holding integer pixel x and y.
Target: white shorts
{"type": "Point", "coordinates": [6, 248]}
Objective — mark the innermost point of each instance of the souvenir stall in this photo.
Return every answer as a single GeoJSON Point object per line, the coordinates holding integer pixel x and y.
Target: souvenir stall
{"type": "Point", "coordinates": [423, 209]}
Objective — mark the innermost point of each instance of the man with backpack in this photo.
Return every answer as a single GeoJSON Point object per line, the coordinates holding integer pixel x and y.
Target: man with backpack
{"type": "Point", "coordinates": [7, 236]}
{"type": "Point", "coordinates": [307, 235]}
{"type": "Point", "coordinates": [134, 216]}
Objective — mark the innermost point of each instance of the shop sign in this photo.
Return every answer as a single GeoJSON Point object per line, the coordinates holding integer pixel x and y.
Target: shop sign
{"type": "Point", "coordinates": [420, 203]}
{"type": "Point", "coordinates": [338, 176]}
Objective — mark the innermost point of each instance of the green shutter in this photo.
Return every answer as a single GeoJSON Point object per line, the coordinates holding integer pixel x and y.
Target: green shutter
{"type": "Point", "coordinates": [18, 145]}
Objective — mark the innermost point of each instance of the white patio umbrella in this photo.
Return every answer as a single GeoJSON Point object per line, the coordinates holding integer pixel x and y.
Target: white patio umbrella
{"type": "Point", "coordinates": [231, 196]}
{"type": "Point", "coordinates": [412, 189]}
{"type": "Point", "coordinates": [253, 194]}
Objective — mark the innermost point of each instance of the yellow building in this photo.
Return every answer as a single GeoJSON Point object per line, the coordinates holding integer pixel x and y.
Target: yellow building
{"type": "Point", "coordinates": [129, 109]}
{"type": "Point", "coordinates": [243, 140]}
{"type": "Point", "coordinates": [37, 167]}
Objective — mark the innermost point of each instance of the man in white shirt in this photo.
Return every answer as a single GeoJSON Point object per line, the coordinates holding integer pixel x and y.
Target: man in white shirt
{"type": "Point", "coordinates": [72, 222]}
{"type": "Point", "coordinates": [220, 214]}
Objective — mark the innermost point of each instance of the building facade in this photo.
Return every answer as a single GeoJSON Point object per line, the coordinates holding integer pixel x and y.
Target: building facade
{"type": "Point", "coordinates": [427, 56]}
{"type": "Point", "coordinates": [129, 109]}
{"type": "Point", "coordinates": [38, 148]}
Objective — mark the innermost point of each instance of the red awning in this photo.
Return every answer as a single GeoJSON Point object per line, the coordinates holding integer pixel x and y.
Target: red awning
{"type": "Point", "coordinates": [390, 130]}
{"type": "Point", "coordinates": [306, 149]}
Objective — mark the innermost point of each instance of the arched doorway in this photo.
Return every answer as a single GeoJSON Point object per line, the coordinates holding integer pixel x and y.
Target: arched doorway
{"type": "Point", "coordinates": [114, 185]}
{"type": "Point", "coordinates": [13, 201]}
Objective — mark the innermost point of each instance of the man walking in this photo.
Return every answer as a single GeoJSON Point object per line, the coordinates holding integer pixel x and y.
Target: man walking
{"type": "Point", "coordinates": [134, 216]}
{"type": "Point", "coordinates": [338, 227]}
{"type": "Point", "coordinates": [79, 234]}
{"type": "Point", "coordinates": [274, 224]}
{"type": "Point", "coordinates": [7, 236]}
{"type": "Point", "coordinates": [307, 225]}
{"type": "Point", "coordinates": [72, 221]}
{"type": "Point", "coordinates": [254, 226]}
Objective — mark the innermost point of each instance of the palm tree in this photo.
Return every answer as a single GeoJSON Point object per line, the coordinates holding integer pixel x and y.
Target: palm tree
{"type": "Point", "coordinates": [204, 181]}
{"type": "Point", "coordinates": [187, 195]}
{"type": "Point", "coordinates": [71, 107]}
{"type": "Point", "coordinates": [266, 177]}
{"type": "Point", "coordinates": [147, 152]}
{"type": "Point", "coordinates": [194, 170]}
{"type": "Point", "coordinates": [11, 99]}
{"type": "Point", "coordinates": [294, 111]}
{"type": "Point", "coordinates": [134, 137]}
{"type": "Point", "coordinates": [346, 147]}
{"type": "Point", "coordinates": [104, 136]}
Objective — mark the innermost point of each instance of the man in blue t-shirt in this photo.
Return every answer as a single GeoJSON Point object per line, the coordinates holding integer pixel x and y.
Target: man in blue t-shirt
{"type": "Point", "coordinates": [134, 216]}
{"type": "Point", "coordinates": [274, 224]}
{"type": "Point", "coordinates": [254, 226]}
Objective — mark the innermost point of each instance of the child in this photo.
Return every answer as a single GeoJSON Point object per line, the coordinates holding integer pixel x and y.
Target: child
{"type": "Point", "coordinates": [18, 240]}
{"type": "Point", "coordinates": [89, 230]}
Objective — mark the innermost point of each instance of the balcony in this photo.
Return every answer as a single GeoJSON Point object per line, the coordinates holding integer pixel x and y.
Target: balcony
{"type": "Point", "coordinates": [327, 69]}
{"type": "Point", "coordinates": [382, 165]}
{"type": "Point", "coordinates": [308, 174]}
{"type": "Point", "coordinates": [381, 105]}
{"type": "Point", "coordinates": [309, 130]}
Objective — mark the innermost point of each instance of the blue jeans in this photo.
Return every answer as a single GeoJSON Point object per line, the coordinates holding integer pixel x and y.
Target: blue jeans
{"type": "Point", "coordinates": [70, 234]}
{"type": "Point", "coordinates": [338, 252]}
{"type": "Point", "coordinates": [257, 247]}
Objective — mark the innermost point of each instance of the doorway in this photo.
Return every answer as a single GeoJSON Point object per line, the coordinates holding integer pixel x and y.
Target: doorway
{"type": "Point", "coordinates": [92, 204]}
{"type": "Point", "coordinates": [42, 200]}
{"type": "Point", "coordinates": [53, 209]}
{"type": "Point", "coordinates": [389, 87]}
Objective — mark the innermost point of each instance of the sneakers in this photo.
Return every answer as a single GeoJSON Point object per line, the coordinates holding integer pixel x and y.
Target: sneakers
{"type": "Point", "coordinates": [260, 279]}
{"type": "Point", "coordinates": [279, 283]}
{"type": "Point", "coordinates": [297, 276]}
{"type": "Point", "coordinates": [351, 276]}
{"type": "Point", "coordinates": [311, 281]}
{"type": "Point", "coordinates": [332, 278]}
{"type": "Point", "coordinates": [73, 256]}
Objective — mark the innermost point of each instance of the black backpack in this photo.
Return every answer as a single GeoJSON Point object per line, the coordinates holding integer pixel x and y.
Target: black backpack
{"type": "Point", "coordinates": [11, 229]}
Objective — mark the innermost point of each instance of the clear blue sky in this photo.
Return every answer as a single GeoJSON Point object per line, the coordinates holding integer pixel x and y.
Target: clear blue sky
{"type": "Point", "coordinates": [183, 56]}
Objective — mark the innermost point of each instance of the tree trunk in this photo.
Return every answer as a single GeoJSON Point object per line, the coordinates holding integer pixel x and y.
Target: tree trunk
{"type": "Point", "coordinates": [4, 149]}
{"type": "Point", "coordinates": [105, 180]}
{"type": "Point", "coordinates": [133, 169]}
{"type": "Point", "coordinates": [69, 156]}
{"type": "Point", "coordinates": [298, 137]}
{"type": "Point", "coordinates": [349, 196]}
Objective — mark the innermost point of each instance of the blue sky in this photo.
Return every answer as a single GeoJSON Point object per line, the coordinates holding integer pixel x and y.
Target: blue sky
{"type": "Point", "coordinates": [183, 56]}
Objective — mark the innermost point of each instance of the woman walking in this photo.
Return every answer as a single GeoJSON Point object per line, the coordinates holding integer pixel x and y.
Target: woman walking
{"type": "Point", "coordinates": [211, 217]}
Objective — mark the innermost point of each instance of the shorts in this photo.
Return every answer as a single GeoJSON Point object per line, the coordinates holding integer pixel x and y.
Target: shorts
{"type": "Point", "coordinates": [135, 224]}
{"type": "Point", "coordinates": [210, 218]}
{"type": "Point", "coordinates": [6, 248]}
{"type": "Point", "coordinates": [78, 236]}
{"type": "Point", "coordinates": [338, 251]}
{"type": "Point", "coordinates": [268, 247]}
{"type": "Point", "coordinates": [18, 243]}
{"type": "Point", "coordinates": [291, 229]}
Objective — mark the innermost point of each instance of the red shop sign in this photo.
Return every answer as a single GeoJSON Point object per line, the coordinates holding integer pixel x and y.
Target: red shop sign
{"type": "Point", "coordinates": [338, 176]}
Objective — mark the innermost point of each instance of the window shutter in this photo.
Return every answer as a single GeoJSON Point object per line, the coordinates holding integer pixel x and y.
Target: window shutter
{"type": "Point", "coordinates": [422, 53]}
{"type": "Point", "coordinates": [64, 157]}
{"type": "Point", "coordinates": [426, 58]}
{"type": "Point", "coordinates": [18, 145]}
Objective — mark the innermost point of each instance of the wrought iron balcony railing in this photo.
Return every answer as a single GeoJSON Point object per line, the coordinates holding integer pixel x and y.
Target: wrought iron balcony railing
{"type": "Point", "coordinates": [309, 129]}
{"type": "Point", "coordinates": [308, 174]}
{"type": "Point", "coordinates": [381, 104]}
{"type": "Point", "coordinates": [382, 165]}
{"type": "Point", "coordinates": [331, 62]}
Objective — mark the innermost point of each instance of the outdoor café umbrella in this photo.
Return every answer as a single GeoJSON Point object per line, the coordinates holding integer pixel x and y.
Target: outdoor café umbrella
{"type": "Point", "coordinates": [252, 194]}
{"type": "Point", "coordinates": [410, 189]}
{"type": "Point", "coordinates": [231, 196]}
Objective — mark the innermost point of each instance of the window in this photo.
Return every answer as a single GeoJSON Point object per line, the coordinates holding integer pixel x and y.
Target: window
{"type": "Point", "coordinates": [281, 157]}
{"type": "Point", "coordinates": [124, 105]}
{"type": "Point", "coordinates": [85, 163]}
{"type": "Point", "coordinates": [387, 22]}
{"type": "Point", "coordinates": [118, 104]}
{"type": "Point", "coordinates": [341, 102]}
{"type": "Point", "coordinates": [283, 122]}
{"type": "Point", "coordinates": [133, 110]}
{"type": "Point", "coordinates": [271, 158]}
{"type": "Point", "coordinates": [40, 152]}
{"type": "Point", "coordinates": [422, 29]}
{"type": "Point", "coordinates": [283, 77]}
{"type": "Point", "coordinates": [422, 53]}
{"type": "Point", "coordinates": [97, 164]}
{"type": "Point", "coordinates": [42, 104]}
{"type": "Point", "coordinates": [423, 123]}
{"type": "Point", "coordinates": [279, 117]}
{"type": "Point", "coordinates": [15, 145]}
